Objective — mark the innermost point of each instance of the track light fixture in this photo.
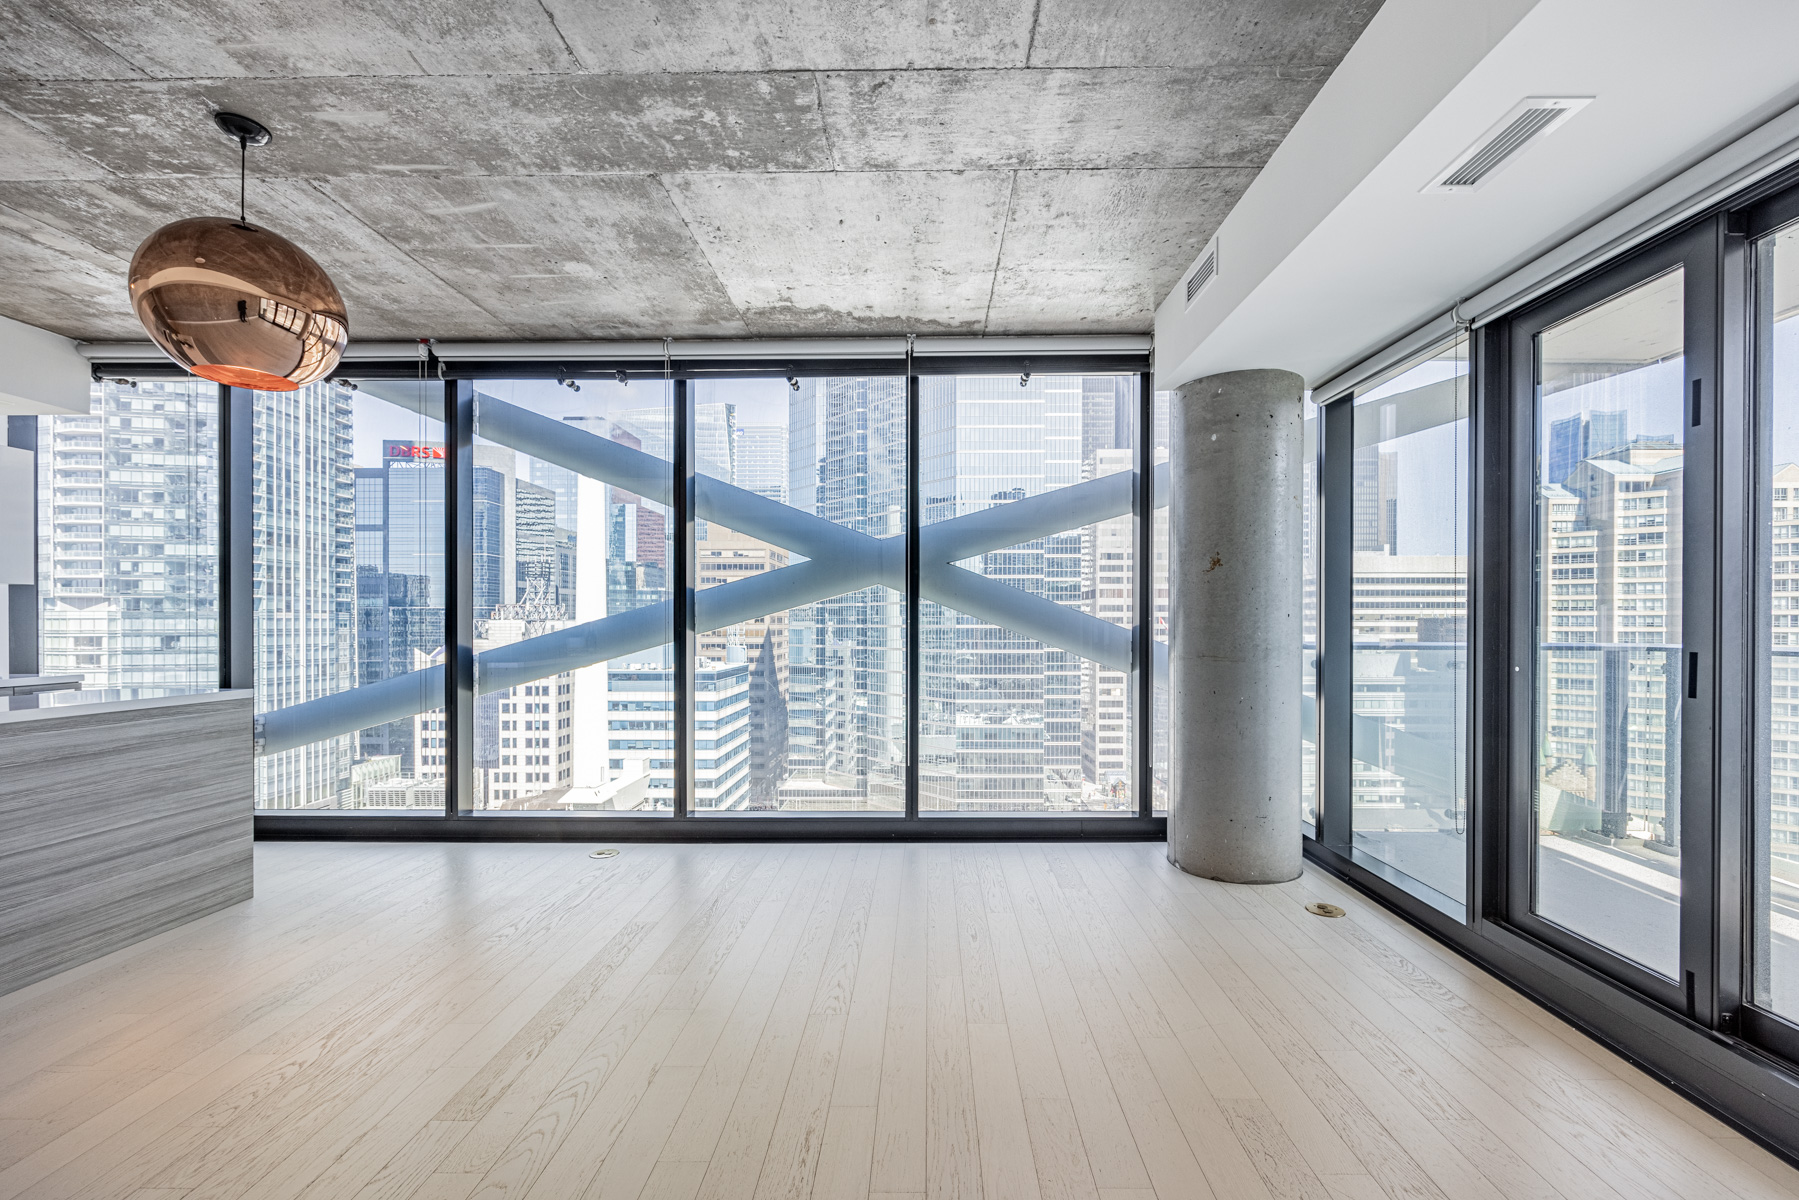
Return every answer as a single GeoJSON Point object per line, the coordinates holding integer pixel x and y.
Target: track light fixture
{"type": "Point", "coordinates": [624, 380]}
{"type": "Point", "coordinates": [793, 381]}
{"type": "Point", "coordinates": [1024, 379]}
{"type": "Point", "coordinates": [234, 303]}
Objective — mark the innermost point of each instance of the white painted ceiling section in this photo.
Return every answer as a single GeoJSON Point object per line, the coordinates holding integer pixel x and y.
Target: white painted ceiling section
{"type": "Point", "coordinates": [43, 372]}
{"type": "Point", "coordinates": [1335, 251]}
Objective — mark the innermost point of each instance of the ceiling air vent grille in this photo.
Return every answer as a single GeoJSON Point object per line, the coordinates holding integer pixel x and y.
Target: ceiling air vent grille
{"type": "Point", "coordinates": [1529, 121]}
{"type": "Point", "coordinates": [1204, 273]}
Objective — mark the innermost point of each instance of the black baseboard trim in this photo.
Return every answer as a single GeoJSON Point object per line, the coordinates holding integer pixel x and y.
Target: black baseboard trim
{"type": "Point", "coordinates": [1751, 1091]}
{"type": "Point", "coordinates": [787, 827]}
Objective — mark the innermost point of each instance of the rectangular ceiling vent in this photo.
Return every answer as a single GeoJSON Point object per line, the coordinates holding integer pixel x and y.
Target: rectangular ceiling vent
{"type": "Point", "coordinates": [1530, 121]}
{"type": "Point", "coordinates": [1204, 273]}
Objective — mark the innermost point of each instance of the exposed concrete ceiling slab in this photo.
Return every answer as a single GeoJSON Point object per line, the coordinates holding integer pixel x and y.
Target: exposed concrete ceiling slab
{"type": "Point", "coordinates": [852, 248]}
{"type": "Point", "coordinates": [1085, 249]}
{"type": "Point", "coordinates": [1186, 33]}
{"type": "Point", "coordinates": [391, 297]}
{"type": "Point", "coordinates": [186, 39]}
{"type": "Point", "coordinates": [1058, 119]}
{"type": "Point", "coordinates": [563, 169]}
{"type": "Point", "coordinates": [437, 125]}
{"type": "Point", "coordinates": [754, 35]}
{"type": "Point", "coordinates": [556, 260]}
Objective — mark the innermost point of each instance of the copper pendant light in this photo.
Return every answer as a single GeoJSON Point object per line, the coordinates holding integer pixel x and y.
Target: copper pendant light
{"type": "Point", "coordinates": [234, 303]}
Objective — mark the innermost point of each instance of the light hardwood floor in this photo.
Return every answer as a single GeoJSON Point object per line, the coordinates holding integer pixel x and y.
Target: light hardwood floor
{"type": "Point", "coordinates": [695, 1023]}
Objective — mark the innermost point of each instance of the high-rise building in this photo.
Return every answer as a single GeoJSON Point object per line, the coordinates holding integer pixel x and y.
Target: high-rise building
{"type": "Point", "coordinates": [399, 577]}
{"type": "Point", "coordinates": [1004, 716]}
{"type": "Point", "coordinates": [846, 710]}
{"type": "Point", "coordinates": [1610, 688]}
{"type": "Point", "coordinates": [723, 556]}
{"type": "Point", "coordinates": [762, 461]}
{"type": "Point", "coordinates": [128, 539]}
{"type": "Point", "coordinates": [1783, 638]}
{"type": "Point", "coordinates": [1582, 436]}
{"type": "Point", "coordinates": [304, 522]}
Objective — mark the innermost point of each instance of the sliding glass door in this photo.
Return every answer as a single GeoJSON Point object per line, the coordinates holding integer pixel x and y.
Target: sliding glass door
{"type": "Point", "coordinates": [1612, 618]}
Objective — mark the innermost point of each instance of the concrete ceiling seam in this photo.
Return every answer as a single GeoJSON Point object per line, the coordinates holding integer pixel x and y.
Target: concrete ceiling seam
{"type": "Point", "coordinates": [556, 169]}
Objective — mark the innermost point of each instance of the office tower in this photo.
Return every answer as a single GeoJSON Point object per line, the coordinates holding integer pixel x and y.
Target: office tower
{"type": "Point", "coordinates": [723, 556]}
{"type": "Point", "coordinates": [846, 728]}
{"type": "Point", "coordinates": [762, 461]}
{"type": "Point", "coordinates": [1611, 685]}
{"type": "Point", "coordinates": [1003, 714]}
{"type": "Point", "coordinates": [304, 518]}
{"type": "Point", "coordinates": [563, 482]}
{"type": "Point", "coordinates": [1376, 504]}
{"type": "Point", "coordinates": [399, 577]}
{"type": "Point", "coordinates": [1783, 638]}
{"type": "Point", "coordinates": [1581, 436]}
{"type": "Point", "coordinates": [714, 432]}
{"type": "Point", "coordinates": [128, 539]}
{"type": "Point", "coordinates": [1109, 555]}
{"type": "Point", "coordinates": [524, 734]}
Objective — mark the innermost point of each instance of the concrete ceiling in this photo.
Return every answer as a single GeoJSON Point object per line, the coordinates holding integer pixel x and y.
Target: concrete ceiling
{"type": "Point", "coordinates": [517, 169]}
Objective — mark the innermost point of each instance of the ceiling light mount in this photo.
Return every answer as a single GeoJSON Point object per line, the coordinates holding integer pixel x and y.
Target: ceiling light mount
{"type": "Point", "coordinates": [246, 131]}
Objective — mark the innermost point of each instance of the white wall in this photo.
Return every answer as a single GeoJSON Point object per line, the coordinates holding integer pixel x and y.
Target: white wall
{"type": "Point", "coordinates": [1335, 251]}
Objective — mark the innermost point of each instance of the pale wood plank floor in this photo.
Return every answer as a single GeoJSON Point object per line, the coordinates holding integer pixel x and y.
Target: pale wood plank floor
{"type": "Point", "coordinates": [1065, 1022]}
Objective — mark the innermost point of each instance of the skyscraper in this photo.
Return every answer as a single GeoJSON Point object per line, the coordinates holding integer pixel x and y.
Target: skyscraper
{"type": "Point", "coordinates": [304, 522]}
{"type": "Point", "coordinates": [128, 538]}
{"type": "Point", "coordinates": [1002, 714]}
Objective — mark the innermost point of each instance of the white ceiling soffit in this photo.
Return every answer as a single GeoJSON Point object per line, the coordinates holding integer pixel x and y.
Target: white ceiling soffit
{"type": "Point", "coordinates": [44, 374]}
{"type": "Point", "coordinates": [1340, 246]}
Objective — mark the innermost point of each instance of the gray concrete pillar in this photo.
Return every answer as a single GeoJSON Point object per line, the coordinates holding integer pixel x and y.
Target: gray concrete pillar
{"type": "Point", "coordinates": [1234, 626]}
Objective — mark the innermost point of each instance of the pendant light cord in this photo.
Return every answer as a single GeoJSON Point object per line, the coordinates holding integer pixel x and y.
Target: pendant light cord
{"type": "Point", "coordinates": [243, 167]}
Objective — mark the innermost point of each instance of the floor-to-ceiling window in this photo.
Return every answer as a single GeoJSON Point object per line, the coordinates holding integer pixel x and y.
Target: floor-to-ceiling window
{"type": "Point", "coordinates": [693, 592]}
{"type": "Point", "coordinates": [569, 499]}
{"type": "Point", "coordinates": [1774, 912]}
{"type": "Point", "coordinates": [1608, 502]}
{"type": "Point", "coordinates": [1308, 649]}
{"type": "Point", "coordinates": [1408, 508]}
{"type": "Point", "coordinates": [1160, 734]}
{"type": "Point", "coordinates": [800, 614]}
{"type": "Point", "coordinates": [348, 570]}
{"type": "Point", "coordinates": [1027, 579]}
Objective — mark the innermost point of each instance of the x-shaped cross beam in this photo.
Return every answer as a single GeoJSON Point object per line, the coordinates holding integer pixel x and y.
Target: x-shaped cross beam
{"type": "Point", "coordinates": [838, 560]}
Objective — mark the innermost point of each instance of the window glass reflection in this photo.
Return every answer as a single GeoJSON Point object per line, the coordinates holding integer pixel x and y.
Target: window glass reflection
{"type": "Point", "coordinates": [1775, 961]}
{"type": "Point", "coordinates": [1410, 622]}
{"type": "Point", "coordinates": [800, 603]}
{"type": "Point", "coordinates": [349, 590]}
{"type": "Point", "coordinates": [574, 629]}
{"type": "Point", "coordinates": [1608, 508]}
{"type": "Point", "coordinates": [1028, 585]}
{"type": "Point", "coordinates": [128, 541]}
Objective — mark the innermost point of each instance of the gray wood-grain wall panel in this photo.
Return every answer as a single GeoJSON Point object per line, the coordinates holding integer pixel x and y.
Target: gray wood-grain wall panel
{"type": "Point", "coordinates": [116, 825]}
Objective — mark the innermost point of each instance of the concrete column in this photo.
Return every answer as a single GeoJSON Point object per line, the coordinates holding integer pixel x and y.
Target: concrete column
{"type": "Point", "coordinates": [1234, 626]}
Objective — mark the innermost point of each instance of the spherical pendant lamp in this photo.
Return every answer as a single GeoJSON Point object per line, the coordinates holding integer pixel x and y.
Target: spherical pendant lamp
{"type": "Point", "coordinates": [235, 303]}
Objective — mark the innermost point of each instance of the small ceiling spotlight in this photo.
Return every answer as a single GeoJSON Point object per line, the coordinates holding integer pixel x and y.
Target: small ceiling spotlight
{"type": "Point", "coordinates": [234, 303]}
{"type": "Point", "coordinates": [624, 380]}
{"type": "Point", "coordinates": [571, 385]}
{"type": "Point", "coordinates": [793, 381]}
{"type": "Point", "coordinates": [349, 385]}
{"type": "Point", "coordinates": [1024, 380]}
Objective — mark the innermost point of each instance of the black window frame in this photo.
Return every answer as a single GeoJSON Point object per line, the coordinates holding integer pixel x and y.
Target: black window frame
{"type": "Point", "coordinates": [459, 380]}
